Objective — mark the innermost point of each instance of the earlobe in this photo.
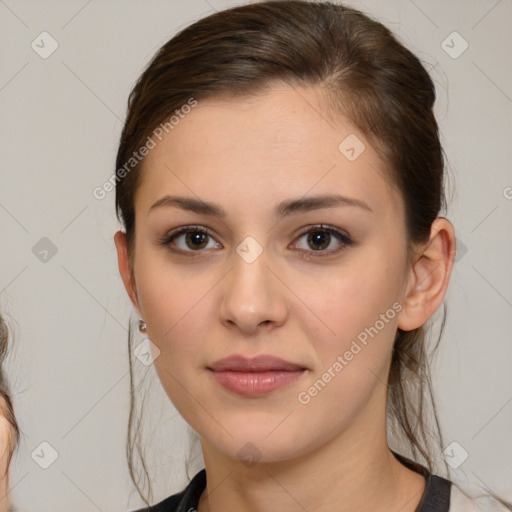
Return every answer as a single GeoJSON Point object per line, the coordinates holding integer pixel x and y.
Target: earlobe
{"type": "Point", "coordinates": [429, 276]}
{"type": "Point", "coordinates": [125, 268]}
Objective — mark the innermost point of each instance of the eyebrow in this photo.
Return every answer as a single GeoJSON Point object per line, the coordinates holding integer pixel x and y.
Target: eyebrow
{"type": "Point", "coordinates": [283, 209]}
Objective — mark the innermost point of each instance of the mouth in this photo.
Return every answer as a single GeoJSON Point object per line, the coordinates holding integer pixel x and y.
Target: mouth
{"type": "Point", "coordinates": [257, 376]}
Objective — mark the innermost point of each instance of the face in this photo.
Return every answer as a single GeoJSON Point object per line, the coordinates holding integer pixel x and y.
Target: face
{"type": "Point", "coordinates": [316, 283]}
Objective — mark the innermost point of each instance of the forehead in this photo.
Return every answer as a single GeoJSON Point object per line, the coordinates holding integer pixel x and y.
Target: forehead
{"type": "Point", "coordinates": [279, 144]}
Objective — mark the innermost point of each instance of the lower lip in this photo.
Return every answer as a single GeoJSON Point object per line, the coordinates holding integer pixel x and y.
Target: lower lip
{"type": "Point", "coordinates": [255, 383]}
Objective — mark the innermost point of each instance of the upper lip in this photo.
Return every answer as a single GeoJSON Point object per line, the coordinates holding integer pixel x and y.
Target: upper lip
{"type": "Point", "coordinates": [262, 363]}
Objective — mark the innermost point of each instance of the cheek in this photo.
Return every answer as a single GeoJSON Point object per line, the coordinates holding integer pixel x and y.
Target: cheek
{"type": "Point", "coordinates": [348, 303]}
{"type": "Point", "coordinates": [177, 316]}
{"type": "Point", "coordinates": [352, 334]}
{"type": "Point", "coordinates": [178, 309]}
{"type": "Point", "coordinates": [352, 343]}
{"type": "Point", "coordinates": [167, 294]}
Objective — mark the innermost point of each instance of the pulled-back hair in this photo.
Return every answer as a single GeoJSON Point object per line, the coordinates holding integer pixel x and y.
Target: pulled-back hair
{"type": "Point", "coordinates": [361, 72]}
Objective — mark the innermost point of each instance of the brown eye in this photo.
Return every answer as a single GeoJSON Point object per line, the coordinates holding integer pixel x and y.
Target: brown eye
{"type": "Point", "coordinates": [188, 239]}
{"type": "Point", "coordinates": [320, 238]}
{"type": "Point", "coordinates": [196, 239]}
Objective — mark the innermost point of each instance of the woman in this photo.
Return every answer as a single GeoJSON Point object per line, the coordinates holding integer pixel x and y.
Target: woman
{"type": "Point", "coordinates": [279, 180]}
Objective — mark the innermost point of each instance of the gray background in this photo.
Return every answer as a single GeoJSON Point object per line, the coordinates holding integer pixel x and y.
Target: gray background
{"type": "Point", "coordinates": [60, 122]}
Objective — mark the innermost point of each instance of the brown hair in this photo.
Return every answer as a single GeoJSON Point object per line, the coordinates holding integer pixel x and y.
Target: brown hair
{"type": "Point", "coordinates": [363, 73]}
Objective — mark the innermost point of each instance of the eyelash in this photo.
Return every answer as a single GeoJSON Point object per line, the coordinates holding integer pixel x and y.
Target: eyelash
{"type": "Point", "coordinates": [342, 237]}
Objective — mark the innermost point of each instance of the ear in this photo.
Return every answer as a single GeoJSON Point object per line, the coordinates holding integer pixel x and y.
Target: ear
{"type": "Point", "coordinates": [429, 276]}
{"type": "Point", "coordinates": [125, 269]}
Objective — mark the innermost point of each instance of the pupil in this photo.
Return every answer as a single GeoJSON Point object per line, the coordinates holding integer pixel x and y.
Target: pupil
{"type": "Point", "coordinates": [195, 237]}
{"type": "Point", "coordinates": [318, 237]}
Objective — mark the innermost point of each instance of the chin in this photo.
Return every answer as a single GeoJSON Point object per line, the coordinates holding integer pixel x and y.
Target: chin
{"type": "Point", "coordinates": [252, 444]}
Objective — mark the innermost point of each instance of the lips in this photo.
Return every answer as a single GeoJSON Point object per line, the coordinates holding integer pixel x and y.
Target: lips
{"type": "Point", "coordinates": [263, 363]}
{"type": "Point", "coordinates": [257, 376]}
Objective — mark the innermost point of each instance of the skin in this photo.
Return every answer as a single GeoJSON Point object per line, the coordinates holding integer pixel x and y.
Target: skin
{"type": "Point", "coordinates": [5, 448]}
{"type": "Point", "coordinates": [247, 156]}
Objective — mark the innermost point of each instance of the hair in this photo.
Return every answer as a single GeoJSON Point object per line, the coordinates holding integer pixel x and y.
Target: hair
{"type": "Point", "coordinates": [362, 73]}
{"type": "Point", "coordinates": [6, 404]}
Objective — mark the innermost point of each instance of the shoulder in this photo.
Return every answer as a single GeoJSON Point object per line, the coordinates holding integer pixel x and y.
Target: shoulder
{"type": "Point", "coordinates": [184, 501]}
{"type": "Point", "coordinates": [461, 501]}
{"type": "Point", "coordinates": [170, 504]}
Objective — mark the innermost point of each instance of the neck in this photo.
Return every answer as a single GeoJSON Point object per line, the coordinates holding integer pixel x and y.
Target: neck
{"type": "Point", "coordinates": [355, 471]}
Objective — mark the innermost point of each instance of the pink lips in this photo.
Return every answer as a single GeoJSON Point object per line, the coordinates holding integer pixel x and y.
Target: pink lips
{"type": "Point", "coordinates": [257, 376]}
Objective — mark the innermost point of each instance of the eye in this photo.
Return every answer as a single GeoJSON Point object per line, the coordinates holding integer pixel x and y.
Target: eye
{"type": "Point", "coordinates": [320, 238]}
{"type": "Point", "coordinates": [190, 239]}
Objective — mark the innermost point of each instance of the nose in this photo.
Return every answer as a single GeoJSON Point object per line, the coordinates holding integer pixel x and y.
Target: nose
{"type": "Point", "coordinates": [252, 296]}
